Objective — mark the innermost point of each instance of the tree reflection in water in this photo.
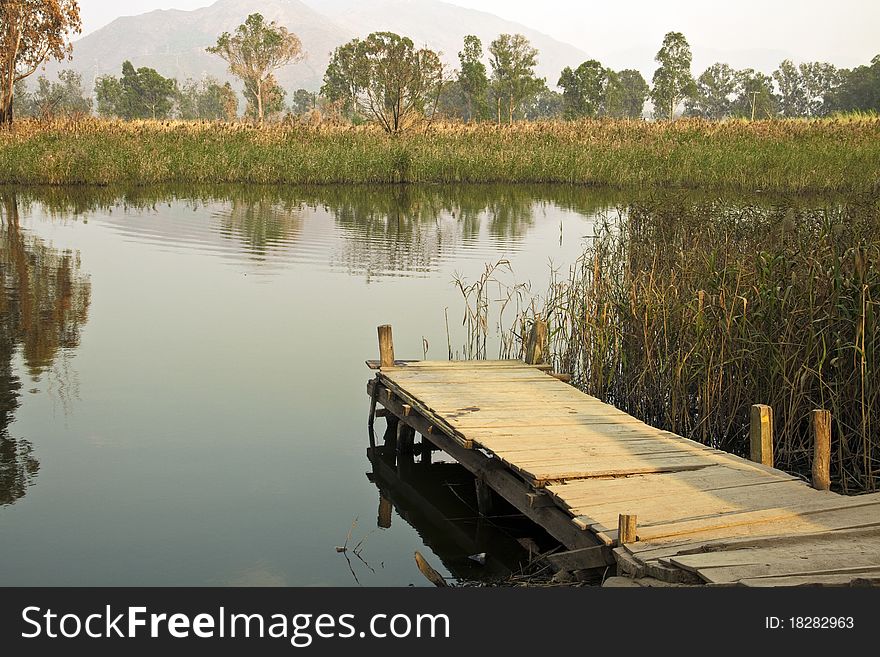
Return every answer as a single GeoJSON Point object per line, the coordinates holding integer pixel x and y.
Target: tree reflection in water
{"type": "Point", "coordinates": [44, 303]}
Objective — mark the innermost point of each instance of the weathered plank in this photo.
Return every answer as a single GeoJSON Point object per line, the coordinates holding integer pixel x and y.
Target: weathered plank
{"type": "Point", "coordinates": [524, 432]}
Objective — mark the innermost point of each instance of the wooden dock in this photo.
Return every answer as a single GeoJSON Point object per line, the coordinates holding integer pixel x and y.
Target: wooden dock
{"type": "Point", "coordinates": [620, 495]}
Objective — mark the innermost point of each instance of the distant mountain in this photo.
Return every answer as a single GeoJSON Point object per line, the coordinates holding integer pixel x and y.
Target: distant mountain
{"type": "Point", "coordinates": [174, 41]}
{"type": "Point", "coordinates": [443, 26]}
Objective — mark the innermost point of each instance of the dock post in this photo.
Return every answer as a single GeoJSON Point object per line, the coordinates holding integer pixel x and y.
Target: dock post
{"type": "Point", "coordinates": [820, 420]}
{"type": "Point", "coordinates": [386, 346]}
{"type": "Point", "coordinates": [384, 516]}
{"type": "Point", "coordinates": [405, 437]}
{"type": "Point", "coordinates": [484, 496]}
{"type": "Point", "coordinates": [535, 344]}
{"type": "Point", "coordinates": [761, 434]}
{"type": "Point", "coordinates": [626, 528]}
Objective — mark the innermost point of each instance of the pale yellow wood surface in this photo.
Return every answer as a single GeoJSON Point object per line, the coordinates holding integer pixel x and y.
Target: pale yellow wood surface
{"type": "Point", "coordinates": [763, 527]}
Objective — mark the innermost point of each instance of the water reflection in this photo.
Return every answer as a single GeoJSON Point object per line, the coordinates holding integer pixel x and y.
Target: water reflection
{"type": "Point", "coordinates": [400, 230]}
{"type": "Point", "coordinates": [438, 500]}
{"type": "Point", "coordinates": [260, 225]}
{"type": "Point", "coordinates": [43, 305]}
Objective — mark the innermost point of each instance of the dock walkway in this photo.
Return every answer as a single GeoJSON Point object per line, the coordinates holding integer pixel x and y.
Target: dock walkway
{"type": "Point", "coordinates": [581, 469]}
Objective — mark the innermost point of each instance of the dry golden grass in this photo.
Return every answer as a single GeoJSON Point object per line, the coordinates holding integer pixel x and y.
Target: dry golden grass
{"type": "Point", "coordinates": [792, 155]}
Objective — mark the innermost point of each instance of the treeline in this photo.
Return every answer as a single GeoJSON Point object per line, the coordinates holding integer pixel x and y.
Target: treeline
{"type": "Point", "coordinates": [385, 78]}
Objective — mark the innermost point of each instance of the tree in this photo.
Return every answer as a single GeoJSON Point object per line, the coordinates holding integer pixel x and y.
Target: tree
{"type": "Point", "coordinates": [385, 78]}
{"type": "Point", "coordinates": [254, 52]}
{"type": "Point", "coordinates": [626, 94]}
{"type": "Point", "coordinates": [820, 80]}
{"type": "Point", "coordinates": [754, 95]}
{"type": "Point", "coordinates": [545, 104]}
{"type": "Point", "coordinates": [140, 94]}
{"type": "Point", "coordinates": [108, 93]}
{"type": "Point", "coordinates": [272, 99]}
{"type": "Point", "coordinates": [584, 90]}
{"type": "Point", "coordinates": [31, 31]}
{"type": "Point", "coordinates": [513, 61]}
{"type": "Point", "coordinates": [22, 101]}
{"type": "Point", "coordinates": [792, 94]}
{"type": "Point", "coordinates": [714, 92]}
{"type": "Point", "coordinates": [859, 89]}
{"type": "Point", "coordinates": [145, 93]}
{"type": "Point", "coordinates": [472, 81]}
{"type": "Point", "coordinates": [206, 100]}
{"type": "Point", "coordinates": [65, 97]}
{"type": "Point", "coordinates": [303, 101]}
{"type": "Point", "coordinates": [673, 81]}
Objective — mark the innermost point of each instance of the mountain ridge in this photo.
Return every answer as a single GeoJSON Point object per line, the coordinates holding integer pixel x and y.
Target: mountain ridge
{"type": "Point", "coordinates": [173, 41]}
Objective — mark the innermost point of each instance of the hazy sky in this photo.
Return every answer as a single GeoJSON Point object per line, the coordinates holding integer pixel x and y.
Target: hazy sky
{"type": "Point", "coordinates": [845, 32]}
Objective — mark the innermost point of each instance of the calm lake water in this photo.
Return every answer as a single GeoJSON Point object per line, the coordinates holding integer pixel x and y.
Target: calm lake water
{"type": "Point", "coordinates": [182, 378]}
{"type": "Point", "coordinates": [183, 381]}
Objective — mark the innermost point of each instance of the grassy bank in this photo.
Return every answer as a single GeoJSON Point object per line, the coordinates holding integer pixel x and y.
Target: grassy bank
{"type": "Point", "coordinates": [792, 155]}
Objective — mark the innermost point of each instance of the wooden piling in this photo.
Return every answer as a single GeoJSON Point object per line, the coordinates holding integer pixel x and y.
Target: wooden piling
{"type": "Point", "coordinates": [536, 342]}
{"type": "Point", "coordinates": [626, 528]}
{"type": "Point", "coordinates": [484, 496]}
{"type": "Point", "coordinates": [405, 438]}
{"type": "Point", "coordinates": [761, 434]}
{"type": "Point", "coordinates": [386, 346]}
{"type": "Point", "coordinates": [384, 516]}
{"type": "Point", "coordinates": [820, 421]}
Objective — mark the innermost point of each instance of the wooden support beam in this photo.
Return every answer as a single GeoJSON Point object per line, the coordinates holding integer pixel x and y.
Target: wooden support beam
{"type": "Point", "coordinates": [405, 438]}
{"type": "Point", "coordinates": [540, 499]}
{"type": "Point", "coordinates": [484, 497]}
{"type": "Point", "coordinates": [386, 346]}
{"type": "Point", "coordinates": [565, 378]}
{"type": "Point", "coordinates": [598, 556]}
{"type": "Point", "coordinates": [820, 420]}
{"type": "Point", "coordinates": [536, 343]}
{"type": "Point", "coordinates": [626, 529]}
{"type": "Point", "coordinates": [761, 434]}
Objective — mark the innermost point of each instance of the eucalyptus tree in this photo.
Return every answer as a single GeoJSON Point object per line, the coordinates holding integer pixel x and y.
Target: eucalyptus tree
{"type": "Point", "coordinates": [386, 78]}
{"type": "Point", "coordinates": [513, 60]}
{"type": "Point", "coordinates": [714, 92]}
{"type": "Point", "coordinates": [584, 90]}
{"type": "Point", "coordinates": [473, 83]}
{"type": "Point", "coordinates": [31, 32]}
{"type": "Point", "coordinates": [254, 52]}
{"type": "Point", "coordinates": [673, 82]}
{"type": "Point", "coordinates": [626, 94]}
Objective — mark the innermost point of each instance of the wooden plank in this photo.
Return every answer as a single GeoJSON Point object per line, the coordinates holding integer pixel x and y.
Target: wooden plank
{"type": "Point", "coordinates": [765, 535]}
{"type": "Point", "coordinates": [859, 578]}
{"type": "Point", "coordinates": [733, 574]}
{"type": "Point", "coordinates": [717, 477]}
{"type": "Point", "coordinates": [767, 521]}
{"type": "Point", "coordinates": [588, 558]}
{"type": "Point", "coordinates": [469, 364]}
{"type": "Point", "coordinates": [692, 505]}
{"type": "Point", "coordinates": [544, 476]}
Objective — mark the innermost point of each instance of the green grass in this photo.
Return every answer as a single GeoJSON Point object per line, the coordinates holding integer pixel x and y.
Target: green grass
{"type": "Point", "coordinates": [789, 156]}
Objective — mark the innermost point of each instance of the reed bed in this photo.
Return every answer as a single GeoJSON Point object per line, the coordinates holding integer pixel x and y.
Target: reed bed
{"type": "Point", "coordinates": [825, 155]}
{"type": "Point", "coordinates": [685, 315]}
